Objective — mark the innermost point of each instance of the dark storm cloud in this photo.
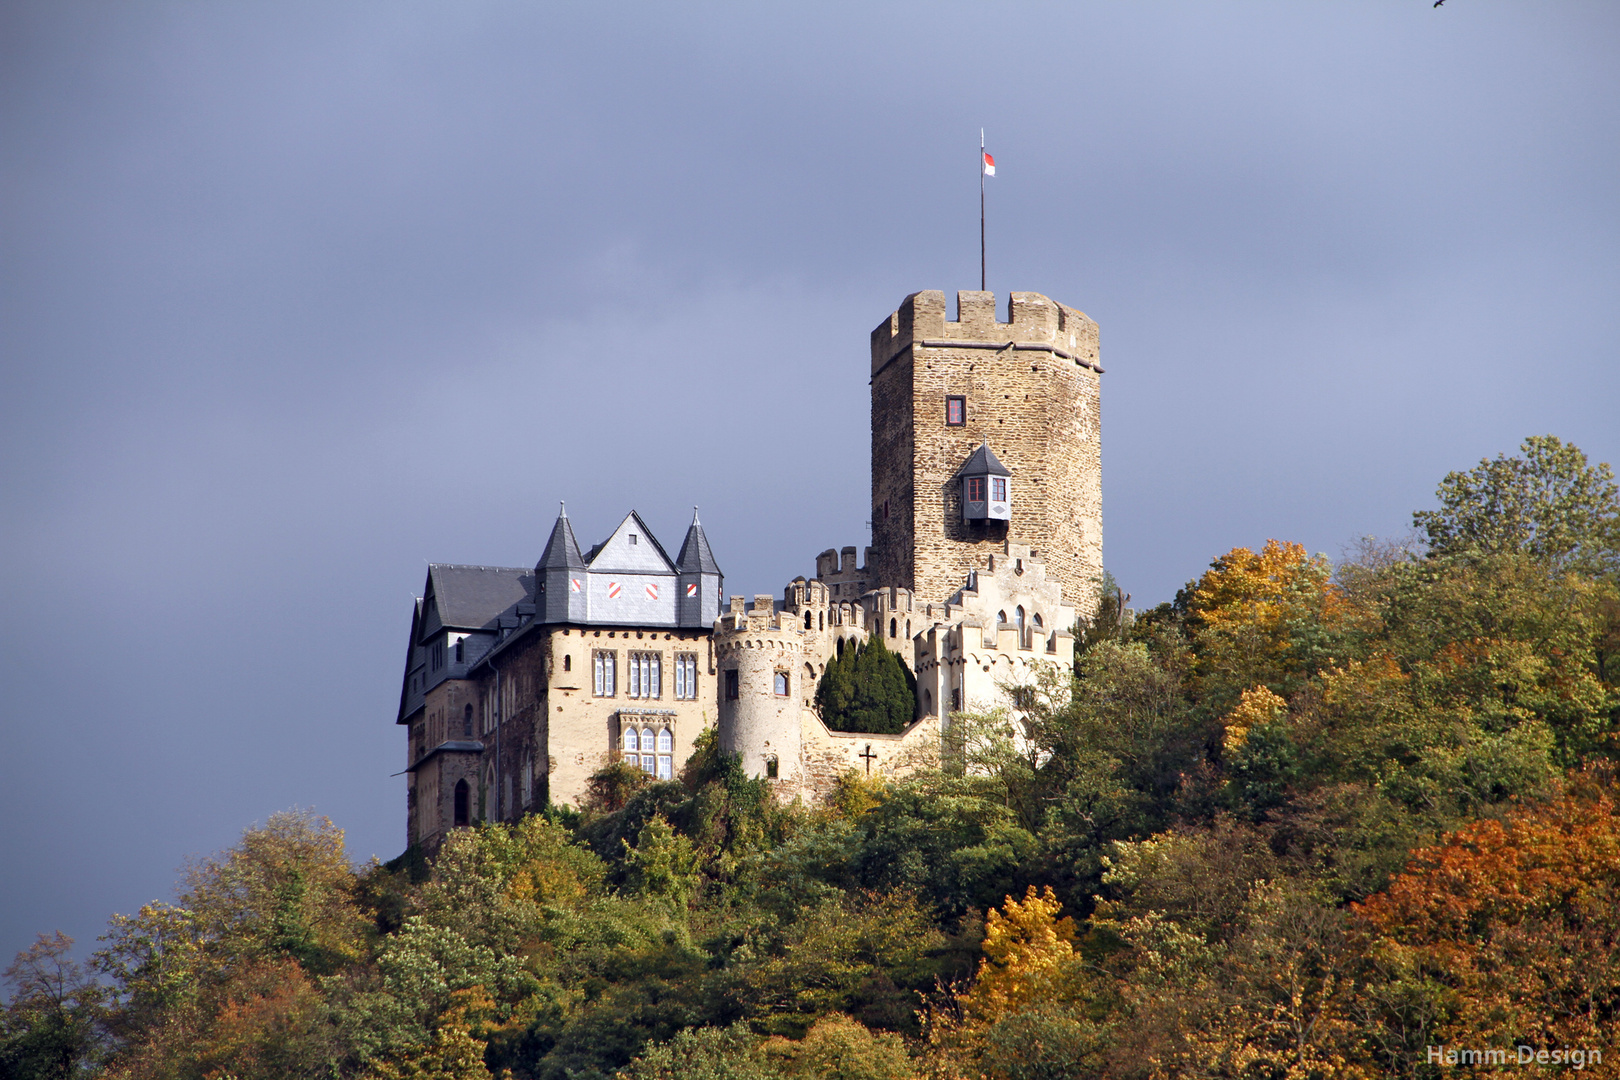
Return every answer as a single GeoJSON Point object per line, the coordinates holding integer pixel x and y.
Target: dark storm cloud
{"type": "Point", "coordinates": [296, 297]}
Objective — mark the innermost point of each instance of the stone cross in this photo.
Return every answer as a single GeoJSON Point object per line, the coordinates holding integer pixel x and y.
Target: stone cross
{"type": "Point", "coordinates": [869, 756]}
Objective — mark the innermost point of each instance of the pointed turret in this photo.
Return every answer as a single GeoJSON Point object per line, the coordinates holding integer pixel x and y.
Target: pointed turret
{"type": "Point", "coordinates": [560, 574]}
{"type": "Point", "coordinates": [701, 582]}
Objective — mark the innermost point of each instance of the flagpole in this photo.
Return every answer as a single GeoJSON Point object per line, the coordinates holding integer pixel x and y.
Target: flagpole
{"type": "Point", "coordinates": [981, 211]}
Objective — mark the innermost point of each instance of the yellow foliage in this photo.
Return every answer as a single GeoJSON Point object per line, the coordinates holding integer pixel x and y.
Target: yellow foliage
{"type": "Point", "coordinates": [1263, 590]}
{"type": "Point", "coordinates": [1027, 951]}
{"type": "Point", "coordinates": [1255, 707]}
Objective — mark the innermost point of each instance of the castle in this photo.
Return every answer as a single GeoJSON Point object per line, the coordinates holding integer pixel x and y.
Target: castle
{"type": "Point", "coordinates": [521, 682]}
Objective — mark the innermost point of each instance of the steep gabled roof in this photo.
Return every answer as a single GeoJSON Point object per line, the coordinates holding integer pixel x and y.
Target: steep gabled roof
{"type": "Point", "coordinates": [696, 558]}
{"type": "Point", "coordinates": [983, 463]}
{"type": "Point", "coordinates": [619, 556]}
{"type": "Point", "coordinates": [562, 550]}
{"type": "Point", "coordinates": [474, 597]}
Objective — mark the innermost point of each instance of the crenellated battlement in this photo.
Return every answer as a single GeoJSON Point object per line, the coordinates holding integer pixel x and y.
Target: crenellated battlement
{"type": "Point", "coordinates": [1032, 320]}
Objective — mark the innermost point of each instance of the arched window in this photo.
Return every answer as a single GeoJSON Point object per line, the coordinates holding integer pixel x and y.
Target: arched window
{"type": "Point", "coordinates": [568, 663]}
{"type": "Point", "coordinates": [461, 655]}
{"type": "Point", "coordinates": [1020, 616]}
{"type": "Point", "coordinates": [1038, 622]}
{"type": "Point", "coordinates": [808, 616]}
{"type": "Point", "coordinates": [462, 794]}
{"type": "Point", "coordinates": [666, 741]}
{"type": "Point", "coordinates": [893, 628]}
{"type": "Point", "coordinates": [772, 769]}
{"type": "Point", "coordinates": [649, 760]}
{"type": "Point", "coordinates": [1001, 618]}
{"type": "Point", "coordinates": [821, 621]}
{"type": "Point", "coordinates": [631, 743]}
{"type": "Point", "coordinates": [466, 721]}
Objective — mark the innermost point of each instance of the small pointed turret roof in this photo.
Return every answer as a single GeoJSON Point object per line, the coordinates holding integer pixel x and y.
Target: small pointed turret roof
{"type": "Point", "coordinates": [983, 463]}
{"type": "Point", "coordinates": [562, 550]}
{"type": "Point", "coordinates": [696, 558]}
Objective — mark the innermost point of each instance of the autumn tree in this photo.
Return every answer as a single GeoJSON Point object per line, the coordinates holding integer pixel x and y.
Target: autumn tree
{"type": "Point", "coordinates": [1503, 934]}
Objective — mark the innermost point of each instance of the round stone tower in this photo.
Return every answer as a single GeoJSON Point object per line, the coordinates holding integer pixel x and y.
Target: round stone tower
{"type": "Point", "coordinates": [760, 656]}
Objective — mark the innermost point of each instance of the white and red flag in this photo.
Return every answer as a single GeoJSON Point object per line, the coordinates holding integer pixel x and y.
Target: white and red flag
{"type": "Point", "coordinates": [989, 164]}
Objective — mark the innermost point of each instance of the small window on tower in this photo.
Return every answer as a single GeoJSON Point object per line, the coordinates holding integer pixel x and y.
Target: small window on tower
{"type": "Point", "coordinates": [955, 410]}
{"type": "Point", "coordinates": [781, 684]}
{"type": "Point", "coordinates": [731, 685]}
{"type": "Point", "coordinates": [998, 489]}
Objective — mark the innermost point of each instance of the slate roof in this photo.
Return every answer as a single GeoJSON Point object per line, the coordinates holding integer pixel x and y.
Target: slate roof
{"type": "Point", "coordinates": [696, 558]}
{"type": "Point", "coordinates": [562, 550]}
{"type": "Point", "coordinates": [983, 463]}
{"type": "Point", "coordinates": [474, 597]}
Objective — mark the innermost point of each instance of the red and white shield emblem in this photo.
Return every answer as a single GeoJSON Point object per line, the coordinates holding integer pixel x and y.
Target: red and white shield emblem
{"type": "Point", "coordinates": [691, 590]}
{"type": "Point", "coordinates": [613, 590]}
{"type": "Point", "coordinates": [652, 591]}
{"type": "Point", "coordinates": [574, 584]}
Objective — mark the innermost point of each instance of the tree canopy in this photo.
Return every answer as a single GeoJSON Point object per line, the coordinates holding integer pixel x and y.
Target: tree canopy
{"type": "Point", "coordinates": [1306, 821]}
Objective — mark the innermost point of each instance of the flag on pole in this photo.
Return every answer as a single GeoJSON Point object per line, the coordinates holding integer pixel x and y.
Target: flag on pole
{"type": "Point", "coordinates": [989, 165]}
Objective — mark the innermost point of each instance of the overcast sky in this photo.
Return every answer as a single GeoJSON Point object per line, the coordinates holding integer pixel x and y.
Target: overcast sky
{"type": "Point", "coordinates": [295, 297]}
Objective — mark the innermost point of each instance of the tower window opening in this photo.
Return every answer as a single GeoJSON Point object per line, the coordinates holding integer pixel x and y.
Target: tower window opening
{"type": "Point", "coordinates": [461, 655]}
{"type": "Point", "coordinates": [772, 768]}
{"type": "Point", "coordinates": [955, 410]}
{"type": "Point", "coordinates": [733, 692]}
{"type": "Point", "coordinates": [781, 684]}
{"type": "Point", "coordinates": [808, 619]}
{"type": "Point", "coordinates": [461, 804]}
{"type": "Point", "coordinates": [568, 663]}
{"type": "Point", "coordinates": [466, 722]}
{"type": "Point", "coordinates": [893, 628]}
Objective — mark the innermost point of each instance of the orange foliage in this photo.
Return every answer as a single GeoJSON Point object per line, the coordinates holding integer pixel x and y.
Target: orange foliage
{"type": "Point", "coordinates": [1518, 922]}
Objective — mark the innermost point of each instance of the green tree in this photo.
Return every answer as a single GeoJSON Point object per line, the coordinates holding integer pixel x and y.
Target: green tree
{"type": "Point", "coordinates": [709, 1053]}
{"type": "Point", "coordinates": [867, 688]}
{"type": "Point", "coordinates": [1547, 502]}
{"type": "Point", "coordinates": [48, 1030]}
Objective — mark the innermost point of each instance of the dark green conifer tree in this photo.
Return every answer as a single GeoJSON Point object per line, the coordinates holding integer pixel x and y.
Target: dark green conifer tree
{"type": "Point", "coordinates": [867, 689]}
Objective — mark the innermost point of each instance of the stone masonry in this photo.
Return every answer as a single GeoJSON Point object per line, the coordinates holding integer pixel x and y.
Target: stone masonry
{"type": "Point", "coordinates": [1031, 389]}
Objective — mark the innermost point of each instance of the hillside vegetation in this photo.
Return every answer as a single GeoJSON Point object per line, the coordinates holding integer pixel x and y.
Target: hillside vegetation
{"type": "Point", "coordinates": [1305, 821]}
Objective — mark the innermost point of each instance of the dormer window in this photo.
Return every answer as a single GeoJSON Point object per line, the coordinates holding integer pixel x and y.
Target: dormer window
{"type": "Point", "coordinates": [986, 487]}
